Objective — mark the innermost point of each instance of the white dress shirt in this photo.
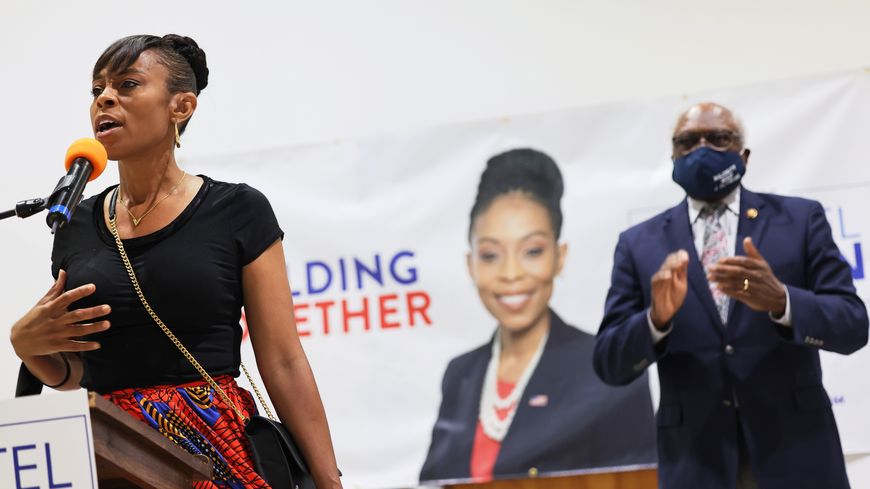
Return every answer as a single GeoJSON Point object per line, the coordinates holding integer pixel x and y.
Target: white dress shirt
{"type": "Point", "coordinates": [729, 221]}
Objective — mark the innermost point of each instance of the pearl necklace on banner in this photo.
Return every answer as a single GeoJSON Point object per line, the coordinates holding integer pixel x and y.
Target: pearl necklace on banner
{"type": "Point", "coordinates": [490, 402]}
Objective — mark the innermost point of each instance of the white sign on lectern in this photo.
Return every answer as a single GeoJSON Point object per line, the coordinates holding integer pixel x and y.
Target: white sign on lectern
{"type": "Point", "coordinates": [46, 442]}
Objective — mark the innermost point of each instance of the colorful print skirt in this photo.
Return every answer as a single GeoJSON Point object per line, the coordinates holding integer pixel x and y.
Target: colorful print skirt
{"type": "Point", "coordinates": [199, 420]}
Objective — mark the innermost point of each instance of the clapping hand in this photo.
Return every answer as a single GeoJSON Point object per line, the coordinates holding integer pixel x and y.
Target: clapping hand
{"type": "Point", "coordinates": [669, 286]}
{"type": "Point", "coordinates": [750, 280]}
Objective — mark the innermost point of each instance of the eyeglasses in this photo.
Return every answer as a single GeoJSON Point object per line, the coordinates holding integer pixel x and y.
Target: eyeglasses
{"type": "Point", "coordinates": [721, 140]}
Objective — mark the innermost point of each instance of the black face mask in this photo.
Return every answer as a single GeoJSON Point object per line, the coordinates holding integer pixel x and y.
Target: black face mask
{"type": "Point", "coordinates": [706, 173]}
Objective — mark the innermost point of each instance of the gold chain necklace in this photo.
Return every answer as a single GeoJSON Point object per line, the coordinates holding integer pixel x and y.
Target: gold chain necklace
{"type": "Point", "coordinates": [137, 221]}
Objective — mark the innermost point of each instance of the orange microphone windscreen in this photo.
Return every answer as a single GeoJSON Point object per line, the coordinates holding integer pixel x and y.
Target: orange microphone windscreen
{"type": "Point", "coordinates": [90, 149]}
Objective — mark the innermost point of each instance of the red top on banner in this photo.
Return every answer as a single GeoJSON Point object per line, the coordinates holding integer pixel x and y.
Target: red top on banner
{"type": "Point", "coordinates": [485, 450]}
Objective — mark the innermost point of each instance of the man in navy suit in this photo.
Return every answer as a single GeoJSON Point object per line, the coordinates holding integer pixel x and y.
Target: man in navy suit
{"type": "Point", "coordinates": [733, 293]}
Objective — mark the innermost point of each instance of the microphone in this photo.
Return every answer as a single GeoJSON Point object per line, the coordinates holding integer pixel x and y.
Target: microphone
{"type": "Point", "coordinates": [85, 161]}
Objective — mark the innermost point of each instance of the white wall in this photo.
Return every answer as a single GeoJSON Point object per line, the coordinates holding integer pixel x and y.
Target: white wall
{"type": "Point", "coordinates": [292, 73]}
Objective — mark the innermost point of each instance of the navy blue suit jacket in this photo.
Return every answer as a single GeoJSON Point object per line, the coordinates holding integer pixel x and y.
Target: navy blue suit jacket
{"type": "Point", "coordinates": [772, 370]}
{"type": "Point", "coordinates": [584, 424]}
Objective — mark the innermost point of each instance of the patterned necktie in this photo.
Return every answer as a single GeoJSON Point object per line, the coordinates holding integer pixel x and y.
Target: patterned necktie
{"type": "Point", "coordinates": [715, 247]}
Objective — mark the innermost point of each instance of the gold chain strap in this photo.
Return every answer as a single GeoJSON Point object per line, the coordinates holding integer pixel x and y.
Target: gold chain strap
{"type": "Point", "coordinates": [259, 396]}
{"type": "Point", "coordinates": [171, 336]}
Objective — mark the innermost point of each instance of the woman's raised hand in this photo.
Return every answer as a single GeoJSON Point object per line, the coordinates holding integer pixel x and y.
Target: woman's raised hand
{"type": "Point", "coordinates": [50, 328]}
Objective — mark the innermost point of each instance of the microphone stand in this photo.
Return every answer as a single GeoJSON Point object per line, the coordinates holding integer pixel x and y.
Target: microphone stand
{"type": "Point", "coordinates": [26, 208]}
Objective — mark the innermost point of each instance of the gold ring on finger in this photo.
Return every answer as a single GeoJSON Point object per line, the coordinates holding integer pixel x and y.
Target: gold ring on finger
{"type": "Point", "coordinates": [745, 284]}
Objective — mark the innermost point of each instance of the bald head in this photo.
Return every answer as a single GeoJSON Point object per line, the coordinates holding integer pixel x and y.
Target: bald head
{"type": "Point", "coordinates": [713, 171]}
{"type": "Point", "coordinates": [708, 124]}
{"type": "Point", "coordinates": [708, 116]}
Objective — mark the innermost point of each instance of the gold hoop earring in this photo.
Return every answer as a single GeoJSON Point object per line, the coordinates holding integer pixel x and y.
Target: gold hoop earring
{"type": "Point", "coordinates": [177, 137]}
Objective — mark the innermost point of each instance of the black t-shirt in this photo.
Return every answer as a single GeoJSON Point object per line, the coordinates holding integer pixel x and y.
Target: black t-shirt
{"type": "Point", "coordinates": [191, 274]}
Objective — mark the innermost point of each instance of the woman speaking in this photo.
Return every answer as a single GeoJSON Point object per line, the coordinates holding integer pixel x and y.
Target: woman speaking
{"type": "Point", "coordinates": [529, 401]}
{"type": "Point", "coordinates": [201, 250]}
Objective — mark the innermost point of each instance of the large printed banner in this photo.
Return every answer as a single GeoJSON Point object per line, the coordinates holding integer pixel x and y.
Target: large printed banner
{"type": "Point", "coordinates": [377, 240]}
{"type": "Point", "coordinates": [389, 291]}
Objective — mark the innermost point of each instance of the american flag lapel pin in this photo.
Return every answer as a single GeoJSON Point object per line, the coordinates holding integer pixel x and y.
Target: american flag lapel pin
{"type": "Point", "coordinates": [539, 400]}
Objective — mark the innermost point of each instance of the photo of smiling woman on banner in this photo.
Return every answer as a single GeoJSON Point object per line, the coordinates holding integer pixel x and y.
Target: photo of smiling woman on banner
{"type": "Point", "coordinates": [528, 402]}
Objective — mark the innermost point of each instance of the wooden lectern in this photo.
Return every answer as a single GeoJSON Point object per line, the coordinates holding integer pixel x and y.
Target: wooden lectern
{"type": "Point", "coordinates": [634, 479]}
{"type": "Point", "coordinates": [131, 454]}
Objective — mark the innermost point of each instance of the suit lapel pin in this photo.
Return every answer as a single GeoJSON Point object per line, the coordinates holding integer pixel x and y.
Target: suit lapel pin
{"type": "Point", "coordinates": [541, 400]}
{"type": "Point", "coordinates": [752, 213]}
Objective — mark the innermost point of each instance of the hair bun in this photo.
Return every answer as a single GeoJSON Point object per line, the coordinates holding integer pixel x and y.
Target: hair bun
{"type": "Point", "coordinates": [526, 170]}
{"type": "Point", "coordinates": [195, 56]}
